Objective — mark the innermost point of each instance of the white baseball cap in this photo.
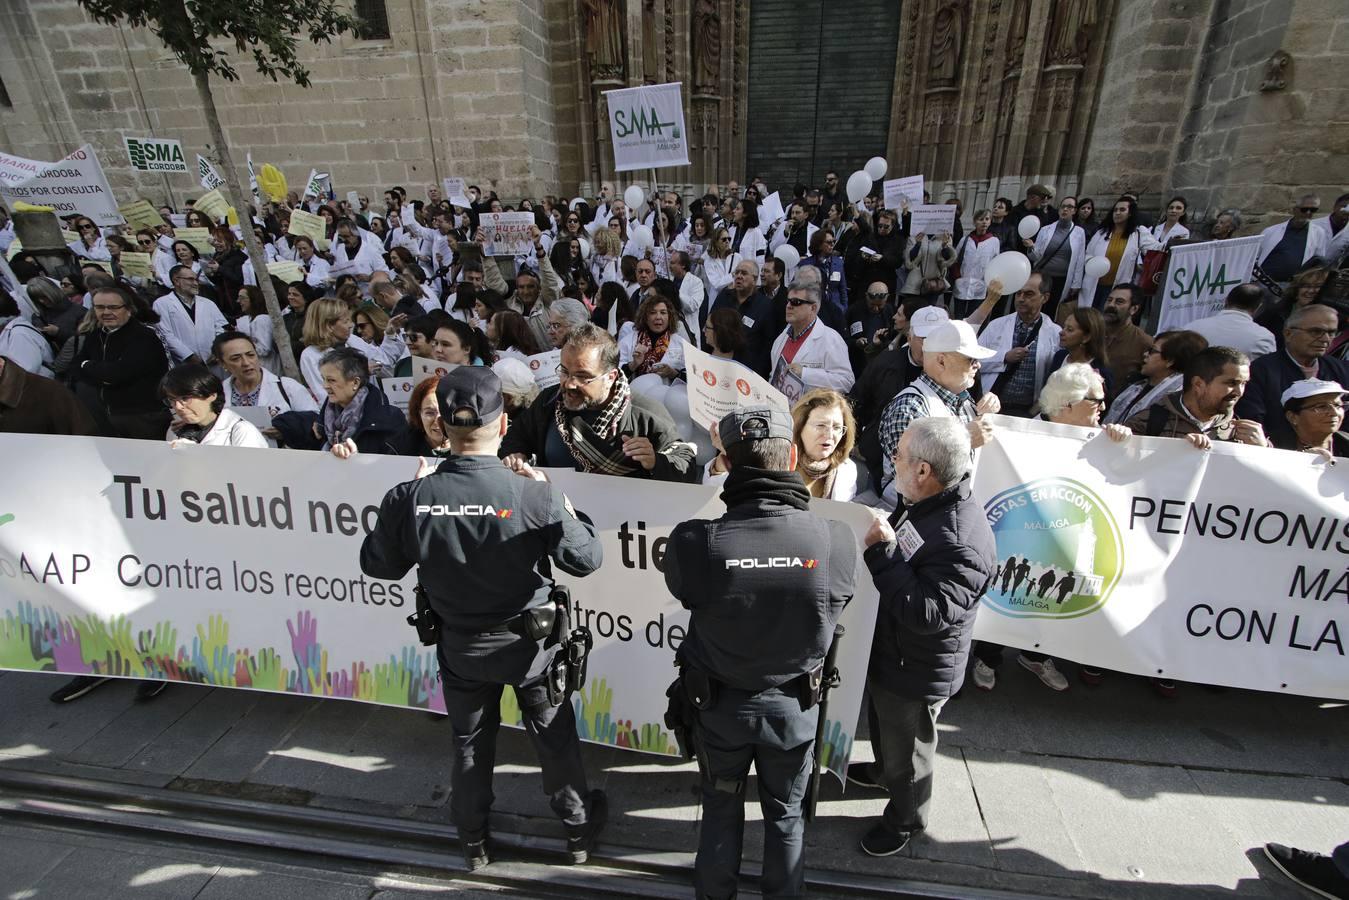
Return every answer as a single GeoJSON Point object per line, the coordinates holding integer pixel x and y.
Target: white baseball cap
{"type": "Point", "coordinates": [514, 374]}
{"type": "Point", "coordinates": [955, 337]}
{"type": "Point", "coordinates": [926, 320]}
{"type": "Point", "coordinates": [1310, 387]}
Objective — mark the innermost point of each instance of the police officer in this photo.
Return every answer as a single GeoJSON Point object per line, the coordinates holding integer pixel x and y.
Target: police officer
{"type": "Point", "coordinates": [766, 584]}
{"type": "Point", "coordinates": [482, 537]}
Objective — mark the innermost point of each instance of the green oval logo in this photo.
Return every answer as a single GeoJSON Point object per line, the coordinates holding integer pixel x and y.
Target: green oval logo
{"type": "Point", "coordinates": [1060, 552]}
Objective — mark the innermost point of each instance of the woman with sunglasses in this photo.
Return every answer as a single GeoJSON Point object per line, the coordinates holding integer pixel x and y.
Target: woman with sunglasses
{"type": "Point", "coordinates": [90, 244]}
{"type": "Point", "coordinates": [719, 263]}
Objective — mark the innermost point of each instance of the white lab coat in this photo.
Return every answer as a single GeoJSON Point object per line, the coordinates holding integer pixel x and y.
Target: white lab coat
{"type": "Point", "coordinates": [1077, 261]}
{"type": "Point", "coordinates": [717, 273]}
{"type": "Point", "coordinates": [780, 237]}
{"type": "Point", "coordinates": [1335, 243]}
{"type": "Point", "coordinates": [195, 332]}
{"type": "Point", "coordinates": [387, 353]}
{"type": "Point", "coordinates": [259, 328]}
{"type": "Point", "coordinates": [997, 336]}
{"type": "Point", "coordinates": [754, 246]}
{"type": "Point", "coordinates": [674, 354]}
{"type": "Point", "coordinates": [1318, 239]}
{"type": "Point", "coordinates": [970, 285]}
{"type": "Point", "coordinates": [163, 262]}
{"type": "Point", "coordinates": [691, 294]}
{"type": "Point", "coordinates": [317, 271]}
{"type": "Point", "coordinates": [279, 394]}
{"type": "Point", "coordinates": [368, 259]}
{"type": "Point", "coordinates": [1164, 237]}
{"type": "Point", "coordinates": [1139, 242]}
{"type": "Point", "coordinates": [98, 252]}
{"type": "Point", "coordinates": [228, 430]}
{"type": "Point", "coordinates": [823, 358]}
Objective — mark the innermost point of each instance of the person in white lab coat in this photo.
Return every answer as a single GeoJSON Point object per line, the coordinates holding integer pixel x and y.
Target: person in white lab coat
{"type": "Point", "coordinates": [810, 349]}
{"type": "Point", "coordinates": [249, 384]}
{"type": "Point", "coordinates": [975, 251]}
{"type": "Point", "coordinates": [193, 321]}
{"type": "Point", "coordinates": [197, 400]}
{"type": "Point", "coordinates": [1122, 241]}
{"type": "Point", "coordinates": [328, 324]}
{"type": "Point", "coordinates": [355, 256]}
{"type": "Point", "coordinates": [1172, 228]}
{"type": "Point", "coordinates": [316, 267]}
{"type": "Point", "coordinates": [90, 244]}
{"type": "Point", "coordinates": [1286, 246]}
{"type": "Point", "coordinates": [1335, 228]}
{"type": "Point", "coordinates": [1023, 344]}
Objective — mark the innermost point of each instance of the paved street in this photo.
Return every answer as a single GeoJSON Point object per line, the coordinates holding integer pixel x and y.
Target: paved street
{"type": "Point", "coordinates": [1097, 793]}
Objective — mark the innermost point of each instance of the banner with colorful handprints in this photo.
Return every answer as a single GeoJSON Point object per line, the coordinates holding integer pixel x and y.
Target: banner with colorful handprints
{"type": "Point", "coordinates": [239, 568]}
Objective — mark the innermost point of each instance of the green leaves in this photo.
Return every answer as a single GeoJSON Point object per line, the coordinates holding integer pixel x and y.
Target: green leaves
{"type": "Point", "coordinates": [267, 29]}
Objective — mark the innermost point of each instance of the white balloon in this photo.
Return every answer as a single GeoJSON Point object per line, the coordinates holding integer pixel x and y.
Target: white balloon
{"type": "Point", "coordinates": [642, 237]}
{"type": "Point", "coordinates": [788, 254]}
{"type": "Point", "coordinates": [859, 183]}
{"type": "Point", "coordinates": [876, 167]}
{"type": "Point", "coordinates": [1028, 227]}
{"type": "Point", "coordinates": [634, 197]}
{"type": "Point", "coordinates": [1096, 267]}
{"type": "Point", "coordinates": [1010, 269]}
{"type": "Point", "coordinates": [574, 203]}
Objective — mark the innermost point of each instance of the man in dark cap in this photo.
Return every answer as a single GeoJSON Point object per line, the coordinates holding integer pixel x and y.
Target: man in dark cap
{"type": "Point", "coordinates": [482, 537]}
{"type": "Point", "coordinates": [766, 584]}
{"type": "Point", "coordinates": [1036, 204]}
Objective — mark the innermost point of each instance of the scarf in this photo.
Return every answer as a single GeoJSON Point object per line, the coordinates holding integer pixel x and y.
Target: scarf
{"type": "Point", "coordinates": [585, 441]}
{"type": "Point", "coordinates": [747, 484]}
{"type": "Point", "coordinates": [818, 476]}
{"type": "Point", "coordinates": [193, 433]}
{"type": "Point", "coordinates": [340, 424]}
{"type": "Point", "coordinates": [654, 354]}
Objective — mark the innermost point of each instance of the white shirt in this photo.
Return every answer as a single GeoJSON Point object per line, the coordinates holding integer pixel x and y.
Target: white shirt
{"type": "Point", "coordinates": [228, 430]}
{"type": "Point", "coordinates": [1164, 237]}
{"type": "Point", "coordinates": [823, 358]}
{"type": "Point", "coordinates": [1236, 329]}
{"type": "Point", "coordinates": [279, 394]}
{"type": "Point", "coordinates": [367, 259]}
{"type": "Point", "coordinates": [195, 332]}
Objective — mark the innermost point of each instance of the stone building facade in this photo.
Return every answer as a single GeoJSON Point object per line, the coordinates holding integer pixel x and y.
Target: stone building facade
{"type": "Point", "coordinates": [1230, 102]}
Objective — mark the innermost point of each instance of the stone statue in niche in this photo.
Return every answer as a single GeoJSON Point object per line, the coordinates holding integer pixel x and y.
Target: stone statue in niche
{"type": "Point", "coordinates": [706, 41]}
{"type": "Point", "coordinates": [604, 37]}
{"type": "Point", "coordinates": [1071, 30]}
{"type": "Point", "coordinates": [947, 40]}
{"type": "Point", "coordinates": [1276, 72]}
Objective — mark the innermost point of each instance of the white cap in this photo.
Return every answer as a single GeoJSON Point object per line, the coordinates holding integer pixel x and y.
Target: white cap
{"type": "Point", "coordinates": [1310, 387]}
{"type": "Point", "coordinates": [956, 337]}
{"type": "Point", "coordinates": [926, 320]}
{"type": "Point", "coordinates": [514, 374]}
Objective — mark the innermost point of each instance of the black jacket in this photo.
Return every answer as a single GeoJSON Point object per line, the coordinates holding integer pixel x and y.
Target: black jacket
{"type": "Point", "coordinates": [67, 320]}
{"type": "Point", "coordinates": [531, 430]}
{"type": "Point", "coordinates": [1271, 375]}
{"type": "Point", "coordinates": [765, 583]}
{"type": "Point", "coordinates": [124, 368]}
{"type": "Point", "coordinates": [482, 538]}
{"type": "Point", "coordinates": [756, 316]}
{"type": "Point", "coordinates": [380, 430]}
{"type": "Point", "coordinates": [928, 602]}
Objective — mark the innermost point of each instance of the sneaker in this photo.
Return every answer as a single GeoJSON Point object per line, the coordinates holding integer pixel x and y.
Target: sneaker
{"type": "Point", "coordinates": [881, 841]}
{"type": "Point", "coordinates": [859, 773]}
{"type": "Point", "coordinates": [580, 845]}
{"type": "Point", "coordinates": [985, 676]}
{"type": "Point", "coordinates": [1315, 872]}
{"type": "Point", "coordinates": [1164, 686]}
{"type": "Point", "coordinates": [475, 853]}
{"type": "Point", "coordinates": [1090, 676]}
{"type": "Point", "coordinates": [76, 688]}
{"type": "Point", "coordinates": [1045, 671]}
{"type": "Point", "coordinates": [148, 690]}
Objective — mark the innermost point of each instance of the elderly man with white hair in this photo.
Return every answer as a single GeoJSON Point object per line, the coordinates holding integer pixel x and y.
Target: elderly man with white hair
{"type": "Point", "coordinates": [565, 316]}
{"type": "Point", "coordinates": [931, 561]}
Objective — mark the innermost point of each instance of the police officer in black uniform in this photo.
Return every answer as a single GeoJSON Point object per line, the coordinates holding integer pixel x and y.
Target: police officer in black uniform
{"type": "Point", "coordinates": [766, 584]}
{"type": "Point", "coordinates": [482, 537]}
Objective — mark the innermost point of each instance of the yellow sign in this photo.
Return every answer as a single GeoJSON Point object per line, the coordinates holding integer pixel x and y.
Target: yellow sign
{"type": "Point", "coordinates": [213, 205]}
{"type": "Point", "coordinates": [289, 272]}
{"type": "Point", "coordinates": [137, 265]}
{"type": "Point", "coordinates": [141, 214]}
{"type": "Point", "coordinates": [311, 226]}
{"type": "Point", "coordinates": [197, 237]}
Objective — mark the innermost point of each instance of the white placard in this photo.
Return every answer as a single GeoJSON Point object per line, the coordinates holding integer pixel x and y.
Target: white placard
{"type": "Point", "coordinates": [507, 233]}
{"type": "Point", "coordinates": [720, 386]}
{"type": "Point", "coordinates": [155, 154]}
{"type": "Point", "coordinates": [647, 127]}
{"type": "Point", "coordinates": [207, 174]}
{"type": "Point", "coordinates": [75, 184]}
{"type": "Point", "coordinates": [932, 219]}
{"type": "Point", "coordinates": [897, 190]}
{"type": "Point", "coordinates": [544, 367]}
{"type": "Point", "coordinates": [1199, 277]}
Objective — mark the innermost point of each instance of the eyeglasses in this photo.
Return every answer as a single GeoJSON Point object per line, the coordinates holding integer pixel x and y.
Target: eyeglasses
{"type": "Point", "coordinates": [146, 243]}
{"type": "Point", "coordinates": [1322, 408]}
{"type": "Point", "coordinates": [565, 377]}
{"type": "Point", "coordinates": [98, 307]}
{"type": "Point", "coordinates": [171, 402]}
{"type": "Point", "coordinates": [1098, 401]}
{"type": "Point", "coordinates": [88, 228]}
{"type": "Point", "coordinates": [1309, 210]}
{"type": "Point", "coordinates": [1316, 332]}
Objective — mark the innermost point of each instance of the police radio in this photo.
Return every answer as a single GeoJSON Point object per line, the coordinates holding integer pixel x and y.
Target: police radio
{"type": "Point", "coordinates": [424, 620]}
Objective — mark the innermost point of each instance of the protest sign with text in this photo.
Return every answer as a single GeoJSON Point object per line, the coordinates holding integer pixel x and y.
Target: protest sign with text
{"type": "Point", "coordinates": [287, 270]}
{"type": "Point", "coordinates": [155, 154]}
{"type": "Point", "coordinates": [544, 367]}
{"type": "Point", "coordinates": [506, 233]}
{"type": "Point", "coordinates": [141, 214]}
{"type": "Point", "coordinates": [239, 568]}
{"type": "Point", "coordinates": [306, 224]}
{"type": "Point", "coordinates": [720, 386]}
{"type": "Point", "coordinates": [137, 265]}
{"type": "Point", "coordinates": [932, 219]}
{"type": "Point", "coordinates": [647, 127]}
{"type": "Point", "coordinates": [206, 173]}
{"type": "Point", "coordinates": [456, 191]}
{"type": "Point", "coordinates": [213, 205]}
{"type": "Point", "coordinates": [75, 184]}
{"type": "Point", "coordinates": [899, 190]}
{"type": "Point", "coordinates": [1199, 277]}
{"type": "Point", "coordinates": [199, 238]}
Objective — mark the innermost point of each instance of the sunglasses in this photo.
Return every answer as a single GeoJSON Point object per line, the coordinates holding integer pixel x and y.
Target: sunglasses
{"type": "Point", "coordinates": [1098, 401]}
{"type": "Point", "coordinates": [1309, 210]}
{"type": "Point", "coordinates": [877, 296]}
{"type": "Point", "coordinates": [796, 301]}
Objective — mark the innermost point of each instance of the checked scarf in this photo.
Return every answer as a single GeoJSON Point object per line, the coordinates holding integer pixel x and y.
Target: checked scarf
{"type": "Point", "coordinates": [586, 442]}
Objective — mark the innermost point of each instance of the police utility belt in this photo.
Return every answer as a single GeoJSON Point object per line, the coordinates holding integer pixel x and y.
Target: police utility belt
{"type": "Point", "coordinates": [552, 621]}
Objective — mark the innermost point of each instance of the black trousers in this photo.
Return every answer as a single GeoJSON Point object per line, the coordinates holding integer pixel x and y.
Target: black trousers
{"type": "Point", "coordinates": [474, 709]}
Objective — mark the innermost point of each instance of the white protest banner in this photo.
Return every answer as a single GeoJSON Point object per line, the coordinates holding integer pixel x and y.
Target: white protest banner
{"type": "Point", "coordinates": [155, 154]}
{"type": "Point", "coordinates": [456, 191]}
{"type": "Point", "coordinates": [287, 270]}
{"type": "Point", "coordinates": [314, 186]}
{"type": "Point", "coordinates": [1199, 276]}
{"type": "Point", "coordinates": [507, 233]}
{"type": "Point", "coordinates": [770, 211]}
{"type": "Point", "coordinates": [206, 173]}
{"type": "Point", "coordinates": [75, 184]}
{"type": "Point", "coordinates": [719, 386]}
{"type": "Point", "coordinates": [354, 201]}
{"type": "Point", "coordinates": [239, 568]}
{"type": "Point", "coordinates": [544, 367]}
{"type": "Point", "coordinates": [1225, 566]}
{"type": "Point", "coordinates": [647, 127]}
{"type": "Point", "coordinates": [934, 219]}
{"type": "Point", "coordinates": [178, 220]}
{"type": "Point", "coordinates": [898, 190]}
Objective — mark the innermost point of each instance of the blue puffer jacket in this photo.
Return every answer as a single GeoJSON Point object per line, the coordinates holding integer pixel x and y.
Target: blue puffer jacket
{"type": "Point", "coordinates": [928, 602]}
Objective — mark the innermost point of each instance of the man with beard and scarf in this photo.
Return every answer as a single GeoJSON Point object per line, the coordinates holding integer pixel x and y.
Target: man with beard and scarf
{"type": "Point", "coordinates": [765, 585]}
{"type": "Point", "coordinates": [591, 420]}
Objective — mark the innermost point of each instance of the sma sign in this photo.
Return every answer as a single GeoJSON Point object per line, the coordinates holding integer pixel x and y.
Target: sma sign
{"type": "Point", "coordinates": [155, 155]}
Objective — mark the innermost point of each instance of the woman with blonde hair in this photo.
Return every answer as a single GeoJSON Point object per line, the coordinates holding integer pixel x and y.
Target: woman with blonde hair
{"type": "Point", "coordinates": [327, 325]}
{"type": "Point", "coordinates": [719, 263]}
{"type": "Point", "coordinates": [825, 431]}
{"type": "Point", "coordinates": [605, 262]}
